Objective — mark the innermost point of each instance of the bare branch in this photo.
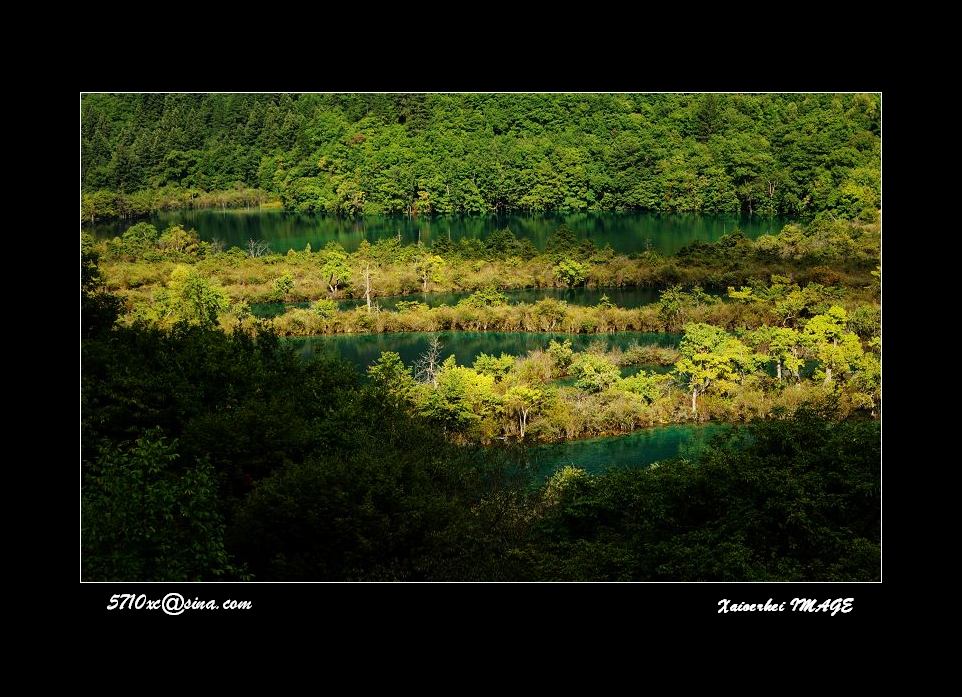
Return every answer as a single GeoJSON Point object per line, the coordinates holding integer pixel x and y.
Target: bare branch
{"type": "Point", "coordinates": [427, 367]}
{"type": "Point", "coordinates": [257, 248]}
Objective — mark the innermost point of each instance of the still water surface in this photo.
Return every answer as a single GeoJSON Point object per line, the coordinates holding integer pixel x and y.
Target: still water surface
{"type": "Point", "coordinates": [638, 449]}
{"type": "Point", "coordinates": [625, 232]}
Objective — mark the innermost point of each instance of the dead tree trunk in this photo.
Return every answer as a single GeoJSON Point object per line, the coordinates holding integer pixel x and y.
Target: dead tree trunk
{"type": "Point", "coordinates": [367, 286]}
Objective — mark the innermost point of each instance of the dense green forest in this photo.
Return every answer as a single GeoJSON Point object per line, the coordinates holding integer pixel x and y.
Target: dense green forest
{"type": "Point", "coordinates": [796, 154]}
{"type": "Point", "coordinates": [211, 455]}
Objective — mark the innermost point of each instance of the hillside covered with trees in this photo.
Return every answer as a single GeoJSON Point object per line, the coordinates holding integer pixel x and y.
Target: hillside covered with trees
{"type": "Point", "coordinates": [794, 155]}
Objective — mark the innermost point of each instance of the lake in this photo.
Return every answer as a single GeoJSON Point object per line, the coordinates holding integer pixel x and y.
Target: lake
{"type": "Point", "coordinates": [625, 232]}
{"type": "Point", "coordinates": [638, 449]}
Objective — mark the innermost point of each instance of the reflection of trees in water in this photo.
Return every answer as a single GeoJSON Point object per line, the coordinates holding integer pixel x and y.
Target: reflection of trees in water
{"type": "Point", "coordinates": [625, 232]}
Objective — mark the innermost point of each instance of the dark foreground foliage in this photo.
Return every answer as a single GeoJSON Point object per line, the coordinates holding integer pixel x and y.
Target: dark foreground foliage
{"type": "Point", "coordinates": [780, 500]}
{"type": "Point", "coordinates": [209, 455]}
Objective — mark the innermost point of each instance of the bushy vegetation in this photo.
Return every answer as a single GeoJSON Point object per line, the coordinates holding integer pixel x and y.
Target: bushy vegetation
{"type": "Point", "coordinates": [557, 393]}
{"type": "Point", "coordinates": [140, 265]}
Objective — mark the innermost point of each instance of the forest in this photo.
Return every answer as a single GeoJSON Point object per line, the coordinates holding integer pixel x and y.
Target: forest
{"type": "Point", "coordinates": [235, 427]}
{"type": "Point", "coordinates": [354, 154]}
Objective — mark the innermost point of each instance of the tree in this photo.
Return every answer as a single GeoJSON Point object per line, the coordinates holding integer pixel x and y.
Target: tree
{"type": "Point", "coordinates": [549, 313]}
{"type": "Point", "coordinates": [367, 257]}
{"type": "Point", "coordinates": [496, 367]}
{"type": "Point", "coordinates": [502, 244]}
{"type": "Point", "coordinates": [709, 117]}
{"type": "Point", "coordinates": [522, 401]}
{"type": "Point", "coordinates": [427, 367]}
{"type": "Point", "coordinates": [792, 499]}
{"type": "Point", "coordinates": [798, 303]}
{"type": "Point", "coordinates": [427, 267]}
{"type": "Point", "coordinates": [562, 242]}
{"type": "Point", "coordinates": [784, 346]}
{"type": "Point", "coordinates": [257, 248]}
{"type": "Point", "coordinates": [146, 518]}
{"type": "Point", "coordinates": [647, 385]}
{"type": "Point", "coordinates": [98, 308]}
{"type": "Point", "coordinates": [390, 373]}
{"type": "Point", "coordinates": [743, 295]}
{"type": "Point", "coordinates": [191, 298]}
{"type": "Point", "coordinates": [282, 286]}
{"type": "Point", "coordinates": [461, 399]}
{"type": "Point", "coordinates": [139, 238]}
{"type": "Point", "coordinates": [561, 355]}
{"type": "Point", "coordinates": [594, 372]}
{"type": "Point", "coordinates": [335, 268]}
{"type": "Point", "coordinates": [671, 305]}
{"type": "Point", "coordinates": [348, 198]}
{"type": "Point", "coordinates": [367, 285]}
{"type": "Point", "coordinates": [126, 168]}
{"type": "Point", "coordinates": [486, 297]}
{"type": "Point", "coordinates": [571, 273]}
{"type": "Point", "coordinates": [99, 204]}
{"type": "Point", "coordinates": [867, 381]}
{"type": "Point", "coordinates": [422, 205]}
{"type": "Point", "coordinates": [836, 349]}
{"type": "Point", "coordinates": [473, 154]}
{"type": "Point", "coordinates": [568, 482]}
{"type": "Point", "coordinates": [324, 308]}
{"type": "Point", "coordinates": [711, 359]}
{"type": "Point", "coordinates": [177, 239]}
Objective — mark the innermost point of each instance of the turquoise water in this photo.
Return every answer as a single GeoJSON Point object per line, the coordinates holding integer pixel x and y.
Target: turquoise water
{"type": "Point", "coordinates": [625, 232]}
{"type": "Point", "coordinates": [638, 449]}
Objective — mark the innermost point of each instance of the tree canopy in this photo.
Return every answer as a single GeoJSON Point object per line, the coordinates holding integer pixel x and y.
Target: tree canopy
{"type": "Point", "coordinates": [422, 154]}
